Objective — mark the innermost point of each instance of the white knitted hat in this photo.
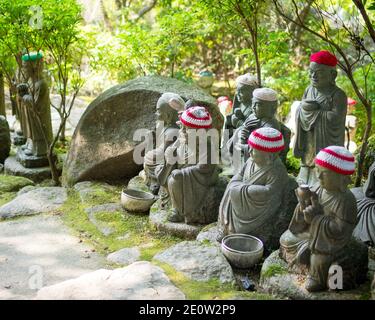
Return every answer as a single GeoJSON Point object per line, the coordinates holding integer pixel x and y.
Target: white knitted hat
{"type": "Point", "coordinates": [265, 94]}
{"type": "Point", "coordinates": [247, 79]}
{"type": "Point", "coordinates": [337, 159]}
{"type": "Point", "coordinates": [196, 117]}
{"type": "Point", "coordinates": [266, 139]}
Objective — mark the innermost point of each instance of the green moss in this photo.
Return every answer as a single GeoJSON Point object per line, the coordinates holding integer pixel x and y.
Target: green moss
{"type": "Point", "coordinates": [129, 230]}
{"type": "Point", "coordinates": [5, 197]}
{"type": "Point", "coordinates": [207, 290]}
{"type": "Point", "coordinates": [134, 230]}
{"type": "Point", "coordinates": [273, 270]}
{"type": "Point", "coordinates": [13, 183]}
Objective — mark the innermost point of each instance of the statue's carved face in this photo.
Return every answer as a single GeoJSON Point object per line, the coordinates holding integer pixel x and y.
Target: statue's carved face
{"type": "Point", "coordinates": [244, 93]}
{"type": "Point", "coordinates": [263, 109]}
{"type": "Point", "coordinates": [330, 180]}
{"type": "Point", "coordinates": [165, 113]}
{"type": "Point", "coordinates": [321, 75]}
{"type": "Point", "coordinates": [261, 158]}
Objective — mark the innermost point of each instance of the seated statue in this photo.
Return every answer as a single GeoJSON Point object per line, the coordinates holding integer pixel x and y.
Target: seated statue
{"type": "Point", "coordinates": [189, 172]}
{"type": "Point", "coordinates": [365, 229]}
{"type": "Point", "coordinates": [166, 134]}
{"type": "Point", "coordinates": [264, 115]}
{"type": "Point", "coordinates": [245, 85]}
{"type": "Point", "coordinates": [320, 117]}
{"type": "Point", "coordinates": [254, 196]}
{"type": "Point", "coordinates": [323, 221]}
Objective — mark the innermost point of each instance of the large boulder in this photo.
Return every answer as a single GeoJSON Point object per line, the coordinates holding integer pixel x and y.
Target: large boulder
{"type": "Point", "coordinates": [102, 145]}
{"type": "Point", "coordinates": [4, 139]}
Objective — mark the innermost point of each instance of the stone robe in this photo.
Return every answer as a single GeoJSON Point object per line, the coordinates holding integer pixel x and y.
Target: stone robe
{"type": "Point", "coordinates": [327, 234]}
{"type": "Point", "coordinates": [253, 198]}
{"type": "Point", "coordinates": [155, 157]}
{"type": "Point", "coordinates": [317, 129]}
{"type": "Point", "coordinates": [365, 229]}
{"type": "Point", "coordinates": [189, 181]}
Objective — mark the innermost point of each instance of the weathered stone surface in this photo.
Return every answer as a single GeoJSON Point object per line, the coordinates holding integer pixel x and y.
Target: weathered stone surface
{"type": "Point", "coordinates": [358, 193]}
{"type": "Point", "coordinates": [14, 168]}
{"type": "Point", "coordinates": [4, 139]}
{"type": "Point", "coordinates": [158, 218]}
{"type": "Point", "coordinates": [1, 168]}
{"type": "Point", "coordinates": [124, 256]}
{"type": "Point", "coordinates": [44, 244]}
{"type": "Point", "coordinates": [88, 190]}
{"type": "Point", "coordinates": [35, 201]}
{"type": "Point", "coordinates": [209, 233]}
{"type": "Point", "coordinates": [198, 261]}
{"type": "Point", "coordinates": [102, 226]}
{"type": "Point", "coordinates": [102, 145]}
{"type": "Point", "coordinates": [373, 289]}
{"type": "Point", "coordinates": [139, 281]}
{"type": "Point", "coordinates": [138, 183]}
{"type": "Point", "coordinates": [13, 183]}
{"type": "Point", "coordinates": [26, 190]}
{"type": "Point", "coordinates": [277, 280]}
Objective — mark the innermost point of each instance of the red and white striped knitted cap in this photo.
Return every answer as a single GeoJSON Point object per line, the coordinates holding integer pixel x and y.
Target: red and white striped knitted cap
{"type": "Point", "coordinates": [266, 139]}
{"type": "Point", "coordinates": [197, 118]}
{"type": "Point", "coordinates": [337, 159]}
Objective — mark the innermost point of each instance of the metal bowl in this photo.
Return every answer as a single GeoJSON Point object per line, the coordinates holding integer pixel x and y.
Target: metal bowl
{"type": "Point", "coordinates": [241, 250]}
{"type": "Point", "coordinates": [137, 201]}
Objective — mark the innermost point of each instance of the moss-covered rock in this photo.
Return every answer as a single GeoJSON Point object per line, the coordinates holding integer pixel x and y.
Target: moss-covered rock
{"type": "Point", "coordinates": [13, 183]}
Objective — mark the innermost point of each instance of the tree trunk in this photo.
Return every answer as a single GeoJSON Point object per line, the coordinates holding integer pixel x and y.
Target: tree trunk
{"type": "Point", "coordinates": [2, 95]}
{"type": "Point", "coordinates": [62, 136]}
{"type": "Point", "coordinates": [362, 153]}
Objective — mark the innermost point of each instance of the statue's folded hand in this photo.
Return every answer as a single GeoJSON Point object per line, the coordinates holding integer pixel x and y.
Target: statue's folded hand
{"type": "Point", "coordinates": [310, 105]}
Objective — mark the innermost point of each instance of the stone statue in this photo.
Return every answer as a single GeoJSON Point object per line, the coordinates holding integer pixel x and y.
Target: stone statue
{"type": "Point", "coordinates": [245, 85]}
{"type": "Point", "coordinates": [253, 198]}
{"type": "Point", "coordinates": [320, 117]}
{"type": "Point", "coordinates": [167, 109]}
{"type": "Point", "coordinates": [324, 219]}
{"type": "Point", "coordinates": [4, 139]}
{"type": "Point", "coordinates": [264, 104]}
{"type": "Point", "coordinates": [36, 104]}
{"type": "Point", "coordinates": [365, 229]}
{"type": "Point", "coordinates": [190, 172]}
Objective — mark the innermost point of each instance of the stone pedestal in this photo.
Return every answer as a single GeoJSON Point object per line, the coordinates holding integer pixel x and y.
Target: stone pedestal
{"type": "Point", "coordinates": [15, 168]}
{"type": "Point", "coordinates": [31, 161]}
{"type": "Point", "coordinates": [278, 280]}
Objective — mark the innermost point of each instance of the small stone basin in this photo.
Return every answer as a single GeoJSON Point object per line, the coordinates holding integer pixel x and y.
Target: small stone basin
{"type": "Point", "coordinates": [137, 201]}
{"type": "Point", "coordinates": [241, 250]}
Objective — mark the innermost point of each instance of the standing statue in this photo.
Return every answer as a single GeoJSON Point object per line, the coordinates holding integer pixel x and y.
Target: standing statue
{"type": "Point", "coordinates": [365, 229]}
{"type": "Point", "coordinates": [253, 198]}
{"type": "Point", "coordinates": [167, 131]}
{"type": "Point", "coordinates": [190, 172]}
{"type": "Point", "coordinates": [324, 219]}
{"type": "Point", "coordinates": [320, 117]}
{"type": "Point", "coordinates": [245, 85]}
{"type": "Point", "coordinates": [36, 107]}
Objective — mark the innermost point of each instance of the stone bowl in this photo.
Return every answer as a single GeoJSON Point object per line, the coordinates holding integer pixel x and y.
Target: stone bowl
{"type": "Point", "coordinates": [241, 250]}
{"type": "Point", "coordinates": [136, 201]}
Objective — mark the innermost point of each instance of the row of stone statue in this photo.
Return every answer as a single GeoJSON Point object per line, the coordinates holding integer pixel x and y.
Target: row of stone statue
{"type": "Point", "coordinates": [313, 223]}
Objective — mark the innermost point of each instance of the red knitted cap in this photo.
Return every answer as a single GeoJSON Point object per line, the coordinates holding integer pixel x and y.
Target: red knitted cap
{"type": "Point", "coordinates": [324, 57]}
